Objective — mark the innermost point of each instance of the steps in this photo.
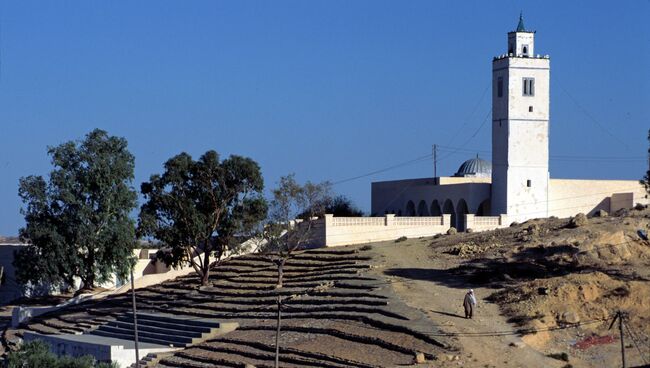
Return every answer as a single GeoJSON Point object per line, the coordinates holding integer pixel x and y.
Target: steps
{"type": "Point", "coordinates": [150, 360]}
{"type": "Point", "coordinates": [164, 329]}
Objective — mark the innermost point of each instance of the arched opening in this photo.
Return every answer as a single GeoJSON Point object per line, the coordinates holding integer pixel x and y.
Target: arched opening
{"type": "Point", "coordinates": [483, 208]}
{"type": "Point", "coordinates": [410, 209]}
{"type": "Point", "coordinates": [525, 50]}
{"type": "Point", "coordinates": [448, 209]}
{"type": "Point", "coordinates": [461, 211]}
{"type": "Point", "coordinates": [435, 208]}
{"type": "Point", "coordinates": [422, 208]}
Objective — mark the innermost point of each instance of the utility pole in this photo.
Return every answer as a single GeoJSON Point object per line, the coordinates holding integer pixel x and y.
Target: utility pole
{"type": "Point", "coordinates": [435, 160]}
{"type": "Point", "coordinates": [620, 315]}
{"type": "Point", "coordinates": [277, 333]}
{"type": "Point", "coordinates": [135, 322]}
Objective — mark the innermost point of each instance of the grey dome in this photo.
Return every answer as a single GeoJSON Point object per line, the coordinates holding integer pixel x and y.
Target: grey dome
{"type": "Point", "coordinates": [475, 167]}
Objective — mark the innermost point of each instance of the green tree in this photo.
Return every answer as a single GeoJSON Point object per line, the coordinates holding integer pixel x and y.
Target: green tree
{"type": "Point", "coordinates": [293, 211]}
{"type": "Point", "coordinates": [77, 222]}
{"type": "Point", "coordinates": [202, 209]}
{"type": "Point", "coordinates": [339, 206]}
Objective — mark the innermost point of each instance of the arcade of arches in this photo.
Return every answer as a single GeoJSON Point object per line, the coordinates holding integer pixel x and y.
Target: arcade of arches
{"type": "Point", "coordinates": [435, 208]}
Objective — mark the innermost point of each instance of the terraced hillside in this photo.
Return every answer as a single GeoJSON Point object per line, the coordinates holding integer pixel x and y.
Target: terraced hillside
{"type": "Point", "coordinates": [334, 314]}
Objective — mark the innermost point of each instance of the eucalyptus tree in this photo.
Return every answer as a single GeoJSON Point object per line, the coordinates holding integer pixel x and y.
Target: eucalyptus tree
{"type": "Point", "coordinates": [202, 209]}
{"type": "Point", "coordinates": [77, 221]}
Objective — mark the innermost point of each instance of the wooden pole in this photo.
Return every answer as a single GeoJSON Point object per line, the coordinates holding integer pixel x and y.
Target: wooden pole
{"type": "Point", "coordinates": [135, 323]}
{"type": "Point", "coordinates": [277, 333]}
{"type": "Point", "coordinates": [620, 327]}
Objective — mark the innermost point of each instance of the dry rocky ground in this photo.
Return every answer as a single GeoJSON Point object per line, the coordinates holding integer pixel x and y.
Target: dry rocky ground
{"type": "Point", "coordinates": [545, 287]}
{"type": "Point", "coordinates": [547, 291]}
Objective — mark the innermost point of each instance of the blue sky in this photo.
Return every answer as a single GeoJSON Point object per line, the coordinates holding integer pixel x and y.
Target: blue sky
{"type": "Point", "coordinates": [327, 89]}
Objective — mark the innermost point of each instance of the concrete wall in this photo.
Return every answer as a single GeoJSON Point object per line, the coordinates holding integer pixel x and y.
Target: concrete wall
{"type": "Point", "coordinates": [484, 223]}
{"type": "Point", "coordinates": [392, 197]}
{"type": "Point", "coordinates": [334, 231]}
{"type": "Point", "coordinates": [103, 349]}
{"type": "Point", "coordinates": [10, 289]}
{"type": "Point", "coordinates": [568, 197]}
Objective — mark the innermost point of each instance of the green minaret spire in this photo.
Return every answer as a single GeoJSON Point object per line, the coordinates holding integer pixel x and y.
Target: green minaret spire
{"type": "Point", "coordinates": [520, 26]}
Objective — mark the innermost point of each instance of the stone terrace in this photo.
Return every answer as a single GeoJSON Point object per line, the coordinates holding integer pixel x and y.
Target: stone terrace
{"type": "Point", "coordinates": [335, 315]}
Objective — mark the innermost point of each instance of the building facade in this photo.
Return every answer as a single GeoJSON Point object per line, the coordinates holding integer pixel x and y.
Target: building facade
{"type": "Point", "coordinates": [517, 183]}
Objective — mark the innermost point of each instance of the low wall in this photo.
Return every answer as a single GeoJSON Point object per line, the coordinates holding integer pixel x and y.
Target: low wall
{"type": "Point", "coordinates": [103, 349]}
{"type": "Point", "coordinates": [333, 231]}
{"type": "Point", "coordinates": [484, 223]}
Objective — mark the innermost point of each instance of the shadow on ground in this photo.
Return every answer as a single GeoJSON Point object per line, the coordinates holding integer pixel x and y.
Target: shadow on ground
{"type": "Point", "coordinates": [525, 265]}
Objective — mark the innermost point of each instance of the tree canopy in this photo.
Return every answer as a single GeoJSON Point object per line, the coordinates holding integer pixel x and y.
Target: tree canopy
{"type": "Point", "coordinates": [201, 209]}
{"type": "Point", "coordinates": [77, 222]}
{"type": "Point", "coordinates": [293, 209]}
{"type": "Point", "coordinates": [339, 206]}
{"type": "Point", "coordinates": [290, 202]}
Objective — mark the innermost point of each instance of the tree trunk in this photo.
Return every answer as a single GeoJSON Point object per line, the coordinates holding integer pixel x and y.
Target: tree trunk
{"type": "Point", "coordinates": [205, 278]}
{"type": "Point", "coordinates": [280, 272]}
{"type": "Point", "coordinates": [89, 282]}
{"type": "Point", "coordinates": [205, 268]}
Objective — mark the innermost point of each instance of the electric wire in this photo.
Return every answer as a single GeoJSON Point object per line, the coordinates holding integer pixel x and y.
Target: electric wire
{"type": "Point", "coordinates": [635, 343]}
{"type": "Point", "coordinates": [592, 118]}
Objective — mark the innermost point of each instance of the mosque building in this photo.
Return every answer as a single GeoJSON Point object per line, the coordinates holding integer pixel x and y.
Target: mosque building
{"type": "Point", "coordinates": [516, 183]}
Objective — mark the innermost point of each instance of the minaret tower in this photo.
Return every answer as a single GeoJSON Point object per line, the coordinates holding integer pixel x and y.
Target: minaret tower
{"type": "Point", "coordinates": [520, 115]}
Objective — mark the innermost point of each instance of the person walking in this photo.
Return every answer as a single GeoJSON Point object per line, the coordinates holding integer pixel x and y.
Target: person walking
{"type": "Point", "coordinates": [469, 303]}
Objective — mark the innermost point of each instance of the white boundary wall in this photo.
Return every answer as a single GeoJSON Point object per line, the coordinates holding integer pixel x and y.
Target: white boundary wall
{"type": "Point", "coordinates": [484, 223]}
{"type": "Point", "coordinates": [103, 349]}
{"type": "Point", "coordinates": [333, 231]}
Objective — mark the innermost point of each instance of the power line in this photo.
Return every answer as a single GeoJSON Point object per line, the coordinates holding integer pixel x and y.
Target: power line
{"type": "Point", "coordinates": [634, 340]}
{"type": "Point", "coordinates": [552, 157]}
{"type": "Point", "coordinates": [593, 119]}
{"type": "Point", "coordinates": [485, 119]}
{"type": "Point", "coordinates": [401, 164]}
{"type": "Point", "coordinates": [460, 130]}
{"type": "Point", "coordinates": [454, 150]}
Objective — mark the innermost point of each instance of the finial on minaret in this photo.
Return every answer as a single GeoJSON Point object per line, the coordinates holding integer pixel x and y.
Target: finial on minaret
{"type": "Point", "coordinates": [520, 26]}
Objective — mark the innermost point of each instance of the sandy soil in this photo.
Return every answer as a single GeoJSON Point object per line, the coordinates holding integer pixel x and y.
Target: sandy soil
{"type": "Point", "coordinates": [443, 305]}
{"type": "Point", "coordinates": [584, 273]}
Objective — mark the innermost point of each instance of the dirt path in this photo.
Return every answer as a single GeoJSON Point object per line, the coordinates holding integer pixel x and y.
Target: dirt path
{"type": "Point", "coordinates": [409, 266]}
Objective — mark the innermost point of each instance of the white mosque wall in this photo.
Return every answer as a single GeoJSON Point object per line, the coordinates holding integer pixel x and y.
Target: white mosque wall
{"type": "Point", "coordinates": [568, 197]}
{"type": "Point", "coordinates": [484, 223]}
{"type": "Point", "coordinates": [330, 231]}
{"type": "Point", "coordinates": [393, 197]}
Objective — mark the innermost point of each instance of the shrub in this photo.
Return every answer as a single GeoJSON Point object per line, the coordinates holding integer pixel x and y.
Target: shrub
{"type": "Point", "coordinates": [37, 354]}
{"type": "Point", "coordinates": [560, 356]}
{"type": "Point", "coordinates": [400, 239]}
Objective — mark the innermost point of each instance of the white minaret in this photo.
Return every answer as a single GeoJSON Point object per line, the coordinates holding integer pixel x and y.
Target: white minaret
{"type": "Point", "coordinates": [520, 113]}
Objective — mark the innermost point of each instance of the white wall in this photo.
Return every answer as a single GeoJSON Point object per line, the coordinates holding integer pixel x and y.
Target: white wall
{"type": "Point", "coordinates": [568, 197]}
{"type": "Point", "coordinates": [520, 136]}
{"type": "Point", "coordinates": [10, 289]}
{"type": "Point", "coordinates": [333, 231]}
{"type": "Point", "coordinates": [392, 196]}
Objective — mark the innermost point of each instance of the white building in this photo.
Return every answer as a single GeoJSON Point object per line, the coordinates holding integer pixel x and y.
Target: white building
{"type": "Point", "coordinates": [517, 182]}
